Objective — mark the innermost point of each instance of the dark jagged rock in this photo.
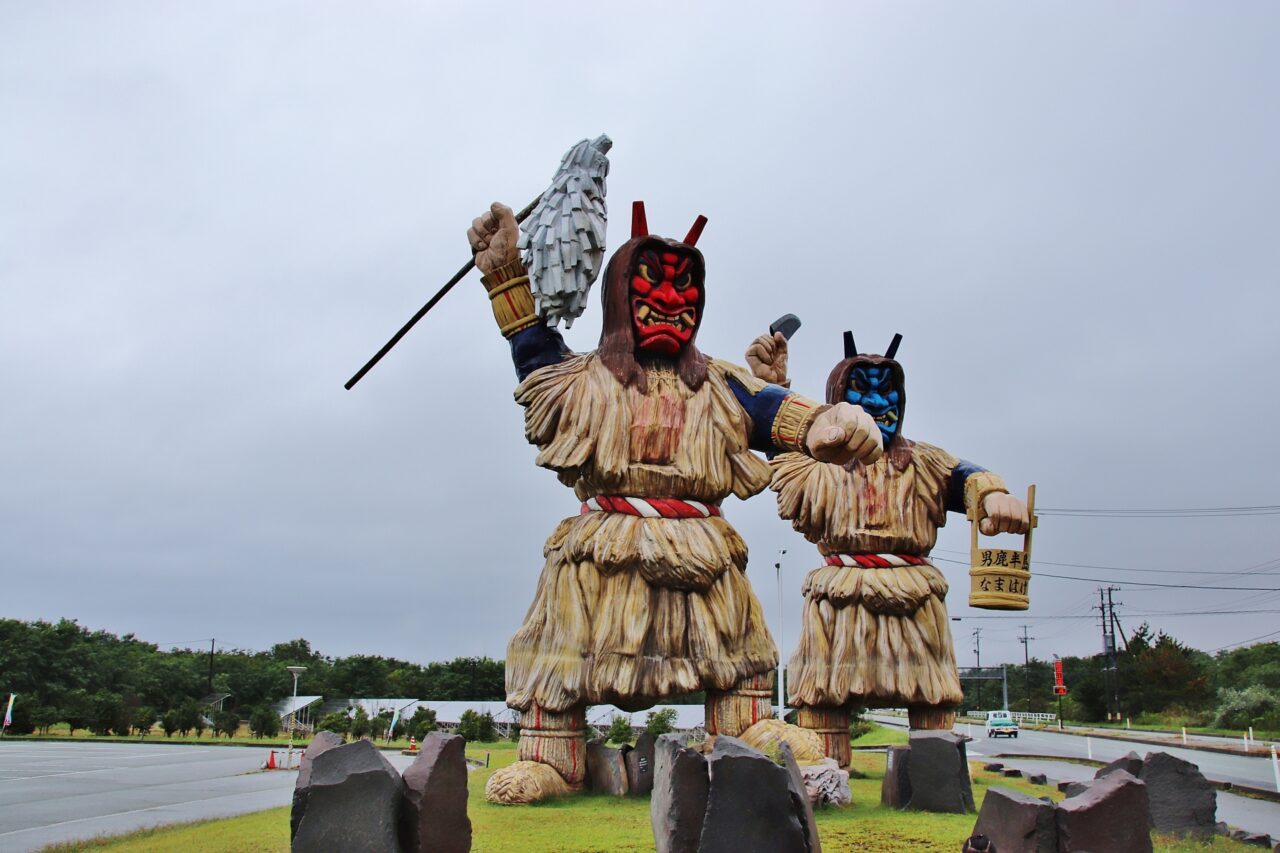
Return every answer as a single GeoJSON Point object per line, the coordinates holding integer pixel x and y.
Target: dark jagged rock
{"type": "Point", "coordinates": [679, 803]}
{"type": "Point", "coordinates": [1038, 779]}
{"type": "Point", "coordinates": [1129, 763]}
{"type": "Point", "coordinates": [993, 767]}
{"type": "Point", "coordinates": [640, 766]}
{"type": "Point", "coordinates": [606, 769]}
{"type": "Point", "coordinates": [1011, 773]}
{"type": "Point", "coordinates": [749, 805]}
{"type": "Point", "coordinates": [800, 802]}
{"type": "Point", "coordinates": [895, 789]}
{"type": "Point", "coordinates": [1182, 800]}
{"type": "Point", "coordinates": [1017, 823]}
{"type": "Point", "coordinates": [354, 803]}
{"type": "Point", "coordinates": [1111, 816]}
{"type": "Point", "coordinates": [433, 817]}
{"type": "Point", "coordinates": [322, 742]}
{"type": "Point", "coordinates": [1075, 789]}
{"type": "Point", "coordinates": [939, 773]}
{"type": "Point", "coordinates": [1063, 786]}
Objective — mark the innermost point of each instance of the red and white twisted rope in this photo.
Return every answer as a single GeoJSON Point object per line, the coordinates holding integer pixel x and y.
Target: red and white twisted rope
{"type": "Point", "coordinates": [651, 507]}
{"type": "Point", "coordinates": [876, 561]}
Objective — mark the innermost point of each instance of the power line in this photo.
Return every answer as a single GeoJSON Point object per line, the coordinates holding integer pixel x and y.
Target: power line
{"type": "Point", "coordinates": [1187, 512]}
{"type": "Point", "coordinates": [1252, 570]}
{"type": "Point", "coordinates": [1242, 642]}
{"type": "Point", "coordinates": [1232, 588]}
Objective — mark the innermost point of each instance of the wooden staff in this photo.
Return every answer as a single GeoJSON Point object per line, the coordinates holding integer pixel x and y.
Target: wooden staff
{"type": "Point", "coordinates": [431, 303]}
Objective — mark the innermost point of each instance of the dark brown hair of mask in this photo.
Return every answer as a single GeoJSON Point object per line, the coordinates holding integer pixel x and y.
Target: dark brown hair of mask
{"type": "Point", "coordinates": [899, 450]}
{"type": "Point", "coordinates": [617, 350]}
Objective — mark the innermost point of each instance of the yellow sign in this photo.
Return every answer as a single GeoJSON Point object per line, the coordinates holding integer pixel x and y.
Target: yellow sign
{"type": "Point", "coordinates": [1000, 577]}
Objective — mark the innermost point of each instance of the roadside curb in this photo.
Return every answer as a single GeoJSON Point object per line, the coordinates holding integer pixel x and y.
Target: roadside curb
{"type": "Point", "coordinates": [1230, 787]}
{"type": "Point", "coordinates": [1156, 742]}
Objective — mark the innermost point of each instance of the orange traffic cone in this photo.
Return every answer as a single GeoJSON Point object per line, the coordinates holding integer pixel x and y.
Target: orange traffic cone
{"type": "Point", "coordinates": [271, 760]}
{"type": "Point", "coordinates": [413, 743]}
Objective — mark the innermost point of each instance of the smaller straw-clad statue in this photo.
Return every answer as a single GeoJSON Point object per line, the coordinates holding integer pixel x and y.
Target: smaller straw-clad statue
{"type": "Point", "coordinates": [643, 593]}
{"type": "Point", "coordinates": [875, 631]}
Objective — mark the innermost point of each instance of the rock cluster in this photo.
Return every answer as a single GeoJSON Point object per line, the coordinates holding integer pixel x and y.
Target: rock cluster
{"type": "Point", "coordinates": [622, 771]}
{"type": "Point", "coordinates": [728, 799]}
{"type": "Point", "coordinates": [348, 798]}
{"type": "Point", "coordinates": [1114, 813]}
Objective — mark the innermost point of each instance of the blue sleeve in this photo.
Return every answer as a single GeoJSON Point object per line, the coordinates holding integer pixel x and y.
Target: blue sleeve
{"type": "Point", "coordinates": [955, 486]}
{"type": "Point", "coordinates": [762, 407]}
{"type": "Point", "coordinates": [537, 346]}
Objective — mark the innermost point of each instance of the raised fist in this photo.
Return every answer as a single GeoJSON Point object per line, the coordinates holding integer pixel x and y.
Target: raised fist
{"type": "Point", "coordinates": [1003, 514]}
{"type": "Point", "coordinates": [493, 237]}
{"type": "Point", "coordinates": [767, 358]}
{"type": "Point", "coordinates": [844, 433]}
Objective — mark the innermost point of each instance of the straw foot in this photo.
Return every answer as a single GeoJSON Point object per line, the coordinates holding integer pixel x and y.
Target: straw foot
{"type": "Point", "coordinates": [524, 782]}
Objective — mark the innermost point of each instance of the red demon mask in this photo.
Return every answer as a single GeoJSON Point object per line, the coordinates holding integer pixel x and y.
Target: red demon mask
{"type": "Point", "coordinates": [666, 290]}
{"type": "Point", "coordinates": [664, 300]}
{"type": "Point", "coordinates": [653, 301]}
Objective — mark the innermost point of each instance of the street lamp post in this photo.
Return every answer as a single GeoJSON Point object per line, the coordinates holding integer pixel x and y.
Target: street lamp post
{"type": "Point", "coordinates": [293, 712]}
{"type": "Point", "coordinates": [782, 672]}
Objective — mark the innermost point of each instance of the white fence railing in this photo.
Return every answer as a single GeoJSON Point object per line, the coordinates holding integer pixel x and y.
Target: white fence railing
{"type": "Point", "coordinates": [1025, 716]}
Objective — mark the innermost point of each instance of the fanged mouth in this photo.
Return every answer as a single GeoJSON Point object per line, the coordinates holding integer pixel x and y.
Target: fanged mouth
{"type": "Point", "coordinates": [888, 419]}
{"type": "Point", "coordinates": [649, 318]}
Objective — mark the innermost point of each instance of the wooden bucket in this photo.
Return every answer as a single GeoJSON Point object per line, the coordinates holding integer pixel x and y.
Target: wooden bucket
{"type": "Point", "coordinates": [999, 578]}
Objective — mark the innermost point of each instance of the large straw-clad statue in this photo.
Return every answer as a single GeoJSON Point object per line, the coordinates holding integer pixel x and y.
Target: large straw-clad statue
{"type": "Point", "coordinates": [643, 594]}
{"type": "Point", "coordinates": [875, 630]}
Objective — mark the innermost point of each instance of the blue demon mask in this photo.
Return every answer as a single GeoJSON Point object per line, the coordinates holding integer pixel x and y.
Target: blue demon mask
{"type": "Point", "coordinates": [877, 384]}
{"type": "Point", "coordinates": [874, 388]}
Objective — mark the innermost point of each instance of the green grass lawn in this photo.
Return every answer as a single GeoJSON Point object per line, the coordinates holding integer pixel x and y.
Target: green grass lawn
{"type": "Point", "coordinates": [591, 823]}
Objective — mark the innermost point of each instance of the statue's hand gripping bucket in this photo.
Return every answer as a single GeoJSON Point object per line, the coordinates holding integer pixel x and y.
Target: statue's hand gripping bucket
{"type": "Point", "coordinates": [999, 577]}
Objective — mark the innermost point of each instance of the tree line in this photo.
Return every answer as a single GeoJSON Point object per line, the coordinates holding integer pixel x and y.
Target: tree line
{"type": "Point", "coordinates": [64, 672]}
{"type": "Point", "coordinates": [1156, 678]}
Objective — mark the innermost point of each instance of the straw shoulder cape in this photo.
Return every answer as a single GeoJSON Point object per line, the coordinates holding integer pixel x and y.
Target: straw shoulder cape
{"type": "Point", "coordinates": [872, 636]}
{"type": "Point", "coordinates": [630, 610]}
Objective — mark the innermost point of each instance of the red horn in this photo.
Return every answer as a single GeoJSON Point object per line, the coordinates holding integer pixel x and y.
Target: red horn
{"type": "Point", "coordinates": [691, 239]}
{"type": "Point", "coordinates": [639, 225]}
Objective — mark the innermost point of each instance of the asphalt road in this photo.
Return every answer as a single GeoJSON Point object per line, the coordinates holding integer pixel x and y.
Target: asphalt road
{"type": "Point", "coordinates": [1244, 812]}
{"type": "Point", "coordinates": [51, 792]}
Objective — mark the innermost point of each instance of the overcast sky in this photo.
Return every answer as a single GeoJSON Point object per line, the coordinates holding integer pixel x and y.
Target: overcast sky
{"type": "Point", "coordinates": [212, 214]}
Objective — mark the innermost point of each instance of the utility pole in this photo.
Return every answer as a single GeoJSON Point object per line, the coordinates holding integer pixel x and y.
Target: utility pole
{"type": "Point", "coordinates": [1107, 640]}
{"type": "Point", "coordinates": [1107, 616]}
{"type": "Point", "coordinates": [977, 650]}
{"type": "Point", "coordinates": [1115, 660]}
{"type": "Point", "coordinates": [211, 642]}
{"type": "Point", "coordinates": [1026, 665]}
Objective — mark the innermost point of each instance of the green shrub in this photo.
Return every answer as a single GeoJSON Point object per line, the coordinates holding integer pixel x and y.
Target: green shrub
{"type": "Point", "coordinates": [422, 722]}
{"type": "Point", "coordinates": [1254, 705]}
{"type": "Point", "coordinates": [360, 723]}
{"type": "Point", "coordinates": [661, 721]}
{"type": "Point", "coordinates": [263, 722]}
{"type": "Point", "coordinates": [226, 723]}
{"type": "Point", "coordinates": [476, 727]}
{"type": "Point", "coordinates": [619, 730]}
